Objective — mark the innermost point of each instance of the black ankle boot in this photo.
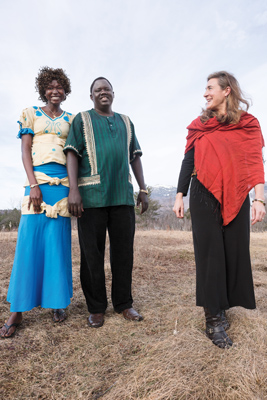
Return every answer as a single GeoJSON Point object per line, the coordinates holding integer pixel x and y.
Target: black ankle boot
{"type": "Point", "coordinates": [215, 330]}
{"type": "Point", "coordinates": [225, 322]}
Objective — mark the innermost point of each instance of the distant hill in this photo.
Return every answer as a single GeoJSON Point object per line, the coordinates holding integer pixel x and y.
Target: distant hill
{"type": "Point", "coordinates": [165, 195]}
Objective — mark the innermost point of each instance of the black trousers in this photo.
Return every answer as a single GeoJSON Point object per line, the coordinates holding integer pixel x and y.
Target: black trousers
{"type": "Point", "coordinates": [92, 228]}
{"type": "Point", "coordinates": [223, 267]}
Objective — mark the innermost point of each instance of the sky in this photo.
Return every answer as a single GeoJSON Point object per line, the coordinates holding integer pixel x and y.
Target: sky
{"type": "Point", "coordinates": [157, 55]}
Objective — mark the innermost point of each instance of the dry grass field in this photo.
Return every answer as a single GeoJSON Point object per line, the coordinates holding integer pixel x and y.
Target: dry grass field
{"type": "Point", "coordinates": [166, 356]}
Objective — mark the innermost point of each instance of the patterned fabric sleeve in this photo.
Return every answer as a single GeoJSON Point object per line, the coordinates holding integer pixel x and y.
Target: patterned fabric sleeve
{"type": "Point", "coordinates": [26, 123]}
{"type": "Point", "coordinates": [71, 117]}
{"type": "Point", "coordinates": [74, 140]}
{"type": "Point", "coordinates": [135, 148]}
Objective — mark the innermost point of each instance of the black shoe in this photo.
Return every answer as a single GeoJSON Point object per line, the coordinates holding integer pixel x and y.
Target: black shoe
{"type": "Point", "coordinates": [225, 322]}
{"type": "Point", "coordinates": [215, 331]}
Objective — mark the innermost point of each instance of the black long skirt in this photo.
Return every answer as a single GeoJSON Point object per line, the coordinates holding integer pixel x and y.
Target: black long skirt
{"type": "Point", "coordinates": [223, 267]}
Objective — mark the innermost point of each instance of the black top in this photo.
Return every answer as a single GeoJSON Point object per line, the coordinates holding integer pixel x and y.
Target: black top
{"type": "Point", "coordinates": [186, 172]}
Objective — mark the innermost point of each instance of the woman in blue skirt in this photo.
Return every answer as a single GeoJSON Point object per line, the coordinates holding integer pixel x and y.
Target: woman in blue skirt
{"type": "Point", "coordinates": [41, 274]}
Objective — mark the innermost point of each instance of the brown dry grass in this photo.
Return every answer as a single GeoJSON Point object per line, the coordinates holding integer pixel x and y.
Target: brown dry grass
{"type": "Point", "coordinates": [124, 360]}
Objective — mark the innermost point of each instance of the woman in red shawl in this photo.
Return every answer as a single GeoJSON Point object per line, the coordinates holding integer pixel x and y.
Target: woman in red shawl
{"type": "Point", "coordinates": [224, 157]}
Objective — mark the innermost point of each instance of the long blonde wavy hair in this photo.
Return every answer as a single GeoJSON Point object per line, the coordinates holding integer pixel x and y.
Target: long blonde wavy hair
{"type": "Point", "coordinates": [234, 100]}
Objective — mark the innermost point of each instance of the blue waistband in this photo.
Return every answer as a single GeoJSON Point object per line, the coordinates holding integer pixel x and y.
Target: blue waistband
{"type": "Point", "coordinates": [52, 169]}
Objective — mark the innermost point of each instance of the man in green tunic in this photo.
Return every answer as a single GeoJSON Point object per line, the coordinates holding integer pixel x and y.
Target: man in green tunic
{"type": "Point", "coordinates": [100, 148]}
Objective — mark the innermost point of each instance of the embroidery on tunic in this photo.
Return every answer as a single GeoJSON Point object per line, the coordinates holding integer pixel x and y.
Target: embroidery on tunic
{"type": "Point", "coordinates": [134, 154]}
{"type": "Point", "coordinates": [126, 120]}
{"type": "Point", "coordinates": [89, 180]}
{"type": "Point", "coordinates": [69, 146]}
{"type": "Point", "coordinates": [89, 140]}
{"type": "Point", "coordinates": [127, 123]}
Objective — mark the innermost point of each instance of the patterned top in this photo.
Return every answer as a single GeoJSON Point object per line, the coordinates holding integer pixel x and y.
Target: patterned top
{"type": "Point", "coordinates": [105, 147]}
{"type": "Point", "coordinates": [49, 135]}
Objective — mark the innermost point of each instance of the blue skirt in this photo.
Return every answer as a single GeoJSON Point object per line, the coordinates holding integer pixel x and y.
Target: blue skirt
{"type": "Point", "coordinates": [41, 274]}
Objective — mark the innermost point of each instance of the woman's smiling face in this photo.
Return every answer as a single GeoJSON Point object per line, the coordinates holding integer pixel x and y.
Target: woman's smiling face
{"type": "Point", "coordinates": [216, 96]}
{"type": "Point", "coordinates": [55, 93]}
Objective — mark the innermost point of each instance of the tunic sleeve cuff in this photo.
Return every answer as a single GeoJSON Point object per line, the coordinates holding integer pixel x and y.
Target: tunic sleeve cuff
{"type": "Point", "coordinates": [72, 148]}
{"type": "Point", "coordinates": [25, 131]}
{"type": "Point", "coordinates": [136, 153]}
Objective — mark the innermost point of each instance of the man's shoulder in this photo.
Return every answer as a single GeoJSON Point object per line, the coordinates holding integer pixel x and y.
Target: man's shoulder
{"type": "Point", "coordinates": [80, 113]}
{"type": "Point", "coordinates": [122, 115]}
{"type": "Point", "coordinates": [126, 119]}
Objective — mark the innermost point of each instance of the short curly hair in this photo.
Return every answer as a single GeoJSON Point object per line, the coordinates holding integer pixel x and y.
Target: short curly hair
{"type": "Point", "coordinates": [97, 79]}
{"type": "Point", "coordinates": [46, 75]}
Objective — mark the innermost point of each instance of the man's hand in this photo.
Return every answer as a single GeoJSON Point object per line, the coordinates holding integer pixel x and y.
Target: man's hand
{"type": "Point", "coordinates": [138, 173]}
{"type": "Point", "coordinates": [75, 203]}
{"type": "Point", "coordinates": [143, 199]}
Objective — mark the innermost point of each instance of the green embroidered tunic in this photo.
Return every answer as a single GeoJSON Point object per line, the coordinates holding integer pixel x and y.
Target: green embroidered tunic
{"type": "Point", "coordinates": [105, 147]}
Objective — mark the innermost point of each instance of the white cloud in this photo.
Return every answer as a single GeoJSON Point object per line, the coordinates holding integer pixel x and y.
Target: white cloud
{"type": "Point", "coordinates": [261, 18]}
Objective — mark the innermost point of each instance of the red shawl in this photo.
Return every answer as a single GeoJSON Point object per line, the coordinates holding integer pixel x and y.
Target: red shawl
{"type": "Point", "coordinates": [228, 159]}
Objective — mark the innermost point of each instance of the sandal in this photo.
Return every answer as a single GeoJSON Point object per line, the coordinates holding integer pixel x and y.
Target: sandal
{"type": "Point", "coordinates": [59, 315]}
{"type": "Point", "coordinates": [7, 329]}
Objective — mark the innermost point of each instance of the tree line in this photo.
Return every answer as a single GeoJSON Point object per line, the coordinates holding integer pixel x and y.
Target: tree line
{"type": "Point", "coordinates": [156, 217]}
